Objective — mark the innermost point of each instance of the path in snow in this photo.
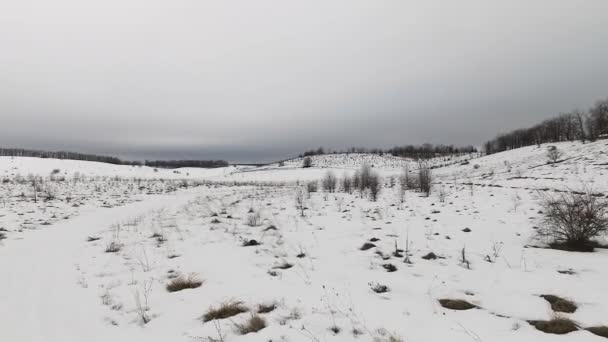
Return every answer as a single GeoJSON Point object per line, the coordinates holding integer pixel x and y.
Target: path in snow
{"type": "Point", "coordinates": [42, 294]}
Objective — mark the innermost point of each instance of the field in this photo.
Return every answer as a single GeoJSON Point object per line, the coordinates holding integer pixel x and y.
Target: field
{"type": "Point", "coordinates": [93, 252]}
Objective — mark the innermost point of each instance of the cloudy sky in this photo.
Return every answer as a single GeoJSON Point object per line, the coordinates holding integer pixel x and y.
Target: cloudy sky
{"type": "Point", "coordinates": [258, 80]}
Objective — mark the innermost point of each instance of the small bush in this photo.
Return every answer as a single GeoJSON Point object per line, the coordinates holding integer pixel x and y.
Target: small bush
{"type": "Point", "coordinates": [312, 186]}
{"type": "Point", "coordinates": [599, 331]}
{"type": "Point", "coordinates": [558, 325]}
{"type": "Point", "coordinates": [253, 324]}
{"type": "Point", "coordinates": [224, 311]}
{"type": "Point", "coordinates": [307, 162]}
{"type": "Point", "coordinates": [183, 283]}
{"type": "Point", "coordinates": [456, 304]}
{"type": "Point", "coordinates": [559, 304]}
{"type": "Point", "coordinates": [572, 220]}
{"type": "Point", "coordinates": [329, 181]}
{"type": "Point", "coordinates": [113, 247]}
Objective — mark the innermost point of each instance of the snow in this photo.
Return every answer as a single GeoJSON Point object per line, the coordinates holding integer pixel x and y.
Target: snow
{"type": "Point", "coordinates": [59, 286]}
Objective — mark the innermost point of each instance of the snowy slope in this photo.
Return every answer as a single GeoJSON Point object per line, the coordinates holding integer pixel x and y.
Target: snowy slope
{"type": "Point", "coordinates": [62, 284]}
{"type": "Point", "coordinates": [13, 166]}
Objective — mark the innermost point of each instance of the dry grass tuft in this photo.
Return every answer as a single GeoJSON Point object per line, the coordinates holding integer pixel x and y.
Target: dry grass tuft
{"type": "Point", "coordinates": [599, 331]}
{"type": "Point", "coordinates": [254, 324]}
{"type": "Point", "coordinates": [113, 247]}
{"type": "Point", "coordinates": [456, 304]}
{"type": "Point", "coordinates": [557, 325]}
{"type": "Point", "coordinates": [183, 283]}
{"type": "Point", "coordinates": [367, 245]}
{"type": "Point", "coordinates": [224, 311]}
{"type": "Point", "coordinates": [266, 308]}
{"type": "Point", "coordinates": [559, 304]}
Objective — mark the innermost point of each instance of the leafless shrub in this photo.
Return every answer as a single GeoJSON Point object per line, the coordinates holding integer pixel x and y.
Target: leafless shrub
{"type": "Point", "coordinates": [424, 178]}
{"type": "Point", "coordinates": [300, 199]}
{"type": "Point", "coordinates": [329, 182]}
{"type": "Point", "coordinates": [573, 219]}
{"type": "Point", "coordinates": [307, 162]}
{"type": "Point", "coordinates": [347, 184]}
{"type": "Point", "coordinates": [254, 219]}
{"type": "Point", "coordinates": [312, 186]}
{"type": "Point", "coordinates": [554, 154]}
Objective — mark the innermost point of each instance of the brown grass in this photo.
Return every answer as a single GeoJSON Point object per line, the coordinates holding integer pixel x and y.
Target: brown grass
{"type": "Point", "coordinates": [599, 330]}
{"type": "Point", "coordinates": [254, 324]}
{"type": "Point", "coordinates": [456, 304]}
{"type": "Point", "coordinates": [559, 304]}
{"type": "Point", "coordinates": [183, 283]}
{"type": "Point", "coordinates": [557, 325]}
{"type": "Point", "coordinates": [266, 308]}
{"type": "Point", "coordinates": [224, 311]}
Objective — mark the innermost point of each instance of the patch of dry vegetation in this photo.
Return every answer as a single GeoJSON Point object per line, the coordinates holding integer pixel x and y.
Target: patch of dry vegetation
{"type": "Point", "coordinates": [559, 304]}
{"type": "Point", "coordinates": [225, 310]}
{"type": "Point", "coordinates": [254, 324]}
{"type": "Point", "coordinates": [456, 304]}
{"type": "Point", "coordinates": [182, 283]}
{"type": "Point", "coordinates": [557, 325]}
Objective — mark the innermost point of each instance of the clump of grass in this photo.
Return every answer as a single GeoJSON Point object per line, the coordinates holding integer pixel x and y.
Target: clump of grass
{"type": "Point", "coordinates": [559, 304]}
{"type": "Point", "coordinates": [456, 304]}
{"type": "Point", "coordinates": [225, 310]}
{"type": "Point", "coordinates": [266, 308]}
{"type": "Point", "coordinates": [557, 325]}
{"type": "Point", "coordinates": [367, 245]}
{"type": "Point", "coordinates": [430, 256]}
{"type": "Point", "coordinates": [390, 267]}
{"type": "Point", "coordinates": [379, 288]}
{"type": "Point", "coordinates": [93, 238]}
{"type": "Point", "coordinates": [249, 243]}
{"type": "Point", "coordinates": [182, 283]}
{"type": "Point", "coordinates": [599, 330]}
{"type": "Point", "coordinates": [283, 266]}
{"type": "Point", "coordinates": [254, 324]}
{"type": "Point", "coordinates": [113, 247]}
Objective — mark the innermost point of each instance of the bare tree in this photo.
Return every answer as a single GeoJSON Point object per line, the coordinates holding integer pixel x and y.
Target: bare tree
{"type": "Point", "coordinates": [307, 162]}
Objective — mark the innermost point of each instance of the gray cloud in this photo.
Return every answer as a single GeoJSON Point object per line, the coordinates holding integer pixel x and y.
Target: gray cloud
{"type": "Point", "coordinates": [258, 80]}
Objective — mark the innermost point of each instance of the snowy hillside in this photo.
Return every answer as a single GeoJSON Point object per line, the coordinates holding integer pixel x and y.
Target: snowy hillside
{"type": "Point", "coordinates": [11, 167]}
{"type": "Point", "coordinates": [528, 167]}
{"type": "Point", "coordinates": [139, 258]}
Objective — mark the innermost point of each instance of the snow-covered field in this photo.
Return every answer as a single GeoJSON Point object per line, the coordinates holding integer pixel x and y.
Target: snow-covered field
{"type": "Point", "coordinates": [96, 267]}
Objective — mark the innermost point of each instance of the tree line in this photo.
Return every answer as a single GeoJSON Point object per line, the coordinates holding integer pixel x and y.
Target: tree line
{"type": "Point", "coordinates": [170, 164]}
{"type": "Point", "coordinates": [424, 151]}
{"type": "Point", "coordinates": [575, 125]}
{"type": "Point", "coordinates": [173, 164]}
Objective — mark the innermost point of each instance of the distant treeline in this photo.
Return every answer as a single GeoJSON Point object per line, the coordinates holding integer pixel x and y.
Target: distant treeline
{"type": "Point", "coordinates": [575, 125]}
{"type": "Point", "coordinates": [174, 164]}
{"type": "Point", "coordinates": [171, 164]}
{"type": "Point", "coordinates": [424, 151]}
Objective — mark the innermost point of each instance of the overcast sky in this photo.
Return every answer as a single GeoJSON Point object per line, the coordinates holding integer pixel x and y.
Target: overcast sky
{"type": "Point", "coordinates": [257, 80]}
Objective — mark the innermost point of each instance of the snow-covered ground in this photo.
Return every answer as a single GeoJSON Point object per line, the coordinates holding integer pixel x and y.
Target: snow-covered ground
{"type": "Point", "coordinates": [62, 282]}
